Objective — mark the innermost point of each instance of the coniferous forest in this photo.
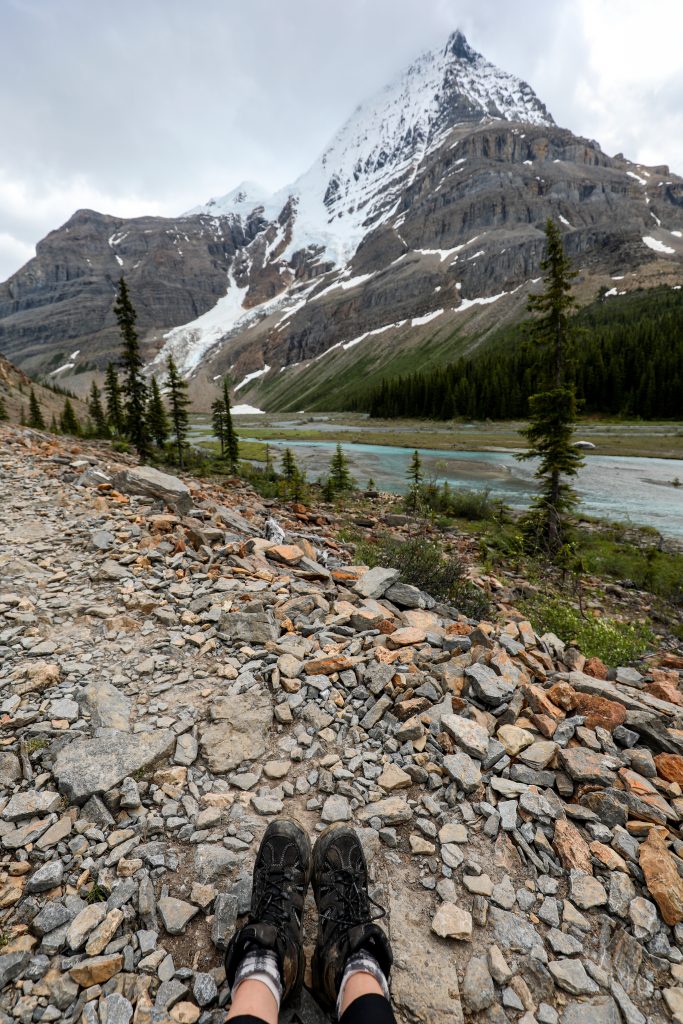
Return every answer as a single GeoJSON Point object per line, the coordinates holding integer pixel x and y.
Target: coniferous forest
{"type": "Point", "coordinates": [627, 360]}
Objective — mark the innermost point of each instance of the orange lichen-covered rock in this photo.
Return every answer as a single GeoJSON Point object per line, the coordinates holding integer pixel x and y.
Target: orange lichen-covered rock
{"type": "Point", "coordinates": [596, 668]}
{"type": "Point", "coordinates": [596, 710]}
{"type": "Point", "coordinates": [661, 877]}
{"type": "Point", "coordinates": [571, 847]}
{"type": "Point", "coordinates": [665, 691]}
{"type": "Point", "coordinates": [670, 767]}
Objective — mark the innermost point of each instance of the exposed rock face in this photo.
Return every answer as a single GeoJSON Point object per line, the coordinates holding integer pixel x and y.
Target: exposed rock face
{"type": "Point", "coordinates": [434, 193]}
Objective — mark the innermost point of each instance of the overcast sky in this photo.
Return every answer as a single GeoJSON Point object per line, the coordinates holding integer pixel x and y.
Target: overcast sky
{"type": "Point", "coordinates": [152, 106]}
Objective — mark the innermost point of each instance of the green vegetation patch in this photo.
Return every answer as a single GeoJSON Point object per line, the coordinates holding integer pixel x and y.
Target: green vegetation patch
{"type": "Point", "coordinates": [615, 643]}
{"type": "Point", "coordinates": [429, 567]}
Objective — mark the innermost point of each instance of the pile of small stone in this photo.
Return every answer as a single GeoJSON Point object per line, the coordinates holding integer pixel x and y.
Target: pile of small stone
{"type": "Point", "coordinates": [170, 679]}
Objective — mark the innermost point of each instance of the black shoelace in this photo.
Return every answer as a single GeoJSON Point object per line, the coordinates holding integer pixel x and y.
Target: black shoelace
{"type": "Point", "coordinates": [275, 901]}
{"type": "Point", "coordinates": [353, 904]}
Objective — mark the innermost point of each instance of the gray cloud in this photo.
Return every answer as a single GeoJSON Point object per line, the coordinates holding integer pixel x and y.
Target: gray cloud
{"type": "Point", "coordinates": [155, 106]}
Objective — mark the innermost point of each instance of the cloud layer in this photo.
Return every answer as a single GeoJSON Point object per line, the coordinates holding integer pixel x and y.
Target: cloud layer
{"type": "Point", "coordinates": [152, 108]}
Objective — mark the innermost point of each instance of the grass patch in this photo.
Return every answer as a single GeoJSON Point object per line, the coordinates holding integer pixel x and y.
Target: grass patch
{"type": "Point", "coordinates": [96, 894]}
{"type": "Point", "coordinates": [615, 643]}
{"type": "Point", "coordinates": [610, 553]}
{"type": "Point", "coordinates": [35, 744]}
{"type": "Point", "coordinates": [427, 566]}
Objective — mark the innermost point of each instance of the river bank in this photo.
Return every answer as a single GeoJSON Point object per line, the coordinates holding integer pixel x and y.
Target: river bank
{"type": "Point", "coordinates": [612, 485]}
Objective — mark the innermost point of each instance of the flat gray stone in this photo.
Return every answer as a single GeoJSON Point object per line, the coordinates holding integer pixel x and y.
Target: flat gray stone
{"type": "Point", "coordinates": [477, 987]}
{"type": "Point", "coordinates": [257, 627]}
{"type": "Point", "coordinates": [152, 483]}
{"type": "Point", "coordinates": [10, 770]}
{"type": "Point", "coordinates": [468, 735]}
{"type": "Point", "coordinates": [601, 1010]}
{"type": "Point", "coordinates": [571, 976]}
{"type": "Point", "coordinates": [375, 582]}
{"type": "Point", "coordinates": [464, 770]}
{"type": "Point", "coordinates": [241, 723]}
{"type": "Point", "coordinates": [89, 766]}
{"type": "Point", "coordinates": [175, 914]}
{"type": "Point", "coordinates": [107, 706]}
{"type": "Point", "coordinates": [514, 934]}
{"type": "Point", "coordinates": [489, 688]}
{"type": "Point", "coordinates": [336, 808]}
{"type": "Point", "coordinates": [35, 802]}
{"type": "Point", "coordinates": [213, 862]}
{"type": "Point", "coordinates": [46, 877]}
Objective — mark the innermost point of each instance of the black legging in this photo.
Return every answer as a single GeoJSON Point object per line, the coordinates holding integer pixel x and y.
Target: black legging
{"type": "Point", "coordinates": [364, 1010]}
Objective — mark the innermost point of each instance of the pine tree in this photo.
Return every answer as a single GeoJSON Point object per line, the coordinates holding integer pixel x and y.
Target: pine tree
{"type": "Point", "coordinates": [178, 402]}
{"type": "Point", "coordinates": [553, 411]}
{"type": "Point", "coordinates": [112, 391]}
{"type": "Point", "coordinates": [54, 426]}
{"type": "Point", "coordinates": [4, 415]}
{"type": "Point", "coordinates": [415, 479]}
{"type": "Point", "coordinates": [35, 413]}
{"type": "Point", "coordinates": [231, 439]}
{"type": "Point", "coordinates": [340, 476]}
{"type": "Point", "coordinates": [68, 421]}
{"type": "Point", "coordinates": [289, 467]}
{"type": "Point", "coordinates": [99, 420]}
{"type": "Point", "coordinates": [269, 468]}
{"type": "Point", "coordinates": [23, 422]}
{"type": "Point", "coordinates": [134, 386]}
{"type": "Point", "coordinates": [218, 422]}
{"type": "Point", "coordinates": [157, 419]}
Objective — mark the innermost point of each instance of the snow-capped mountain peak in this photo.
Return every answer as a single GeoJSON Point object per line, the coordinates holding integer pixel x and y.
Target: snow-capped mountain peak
{"type": "Point", "coordinates": [354, 182]}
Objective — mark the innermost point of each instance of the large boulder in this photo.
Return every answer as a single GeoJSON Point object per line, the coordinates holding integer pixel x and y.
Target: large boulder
{"type": "Point", "coordinates": [89, 766]}
{"type": "Point", "coordinates": [152, 483]}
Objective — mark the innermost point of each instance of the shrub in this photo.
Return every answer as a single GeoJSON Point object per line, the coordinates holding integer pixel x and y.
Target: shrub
{"type": "Point", "coordinates": [426, 566]}
{"type": "Point", "coordinates": [615, 643]}
{"type": "Point", "coordinates": [475, 506]}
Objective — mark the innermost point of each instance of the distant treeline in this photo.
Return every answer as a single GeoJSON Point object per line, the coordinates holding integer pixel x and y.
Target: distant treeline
{"type": "Point", "coordinates": [627, 361]}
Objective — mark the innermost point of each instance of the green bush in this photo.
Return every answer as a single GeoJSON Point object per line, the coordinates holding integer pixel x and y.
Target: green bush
{"type": "Point", "coordinates": [425, 565]}
{"type": "Point", "coordinates": [615, 643]}
{"type": "Point", "coordinates": [474, 506]}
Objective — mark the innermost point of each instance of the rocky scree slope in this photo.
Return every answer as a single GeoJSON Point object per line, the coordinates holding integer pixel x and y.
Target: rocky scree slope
{"type": "Point", "coordinates": [170, 680]}
{"type": "Point", "coordinates": [430, 198]}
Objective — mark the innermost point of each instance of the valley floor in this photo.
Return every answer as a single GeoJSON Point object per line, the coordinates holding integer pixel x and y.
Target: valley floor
{"type": "Point", "coordinates": [639, 439]}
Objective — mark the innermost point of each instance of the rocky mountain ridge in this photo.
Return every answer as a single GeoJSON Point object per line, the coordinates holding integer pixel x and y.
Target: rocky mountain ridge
{"type": "Point", "coordinates": [429, 201]}
{"type": "Point", "coordinates": [171, 679]}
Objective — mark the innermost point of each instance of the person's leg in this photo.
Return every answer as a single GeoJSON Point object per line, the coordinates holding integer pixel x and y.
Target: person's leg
{"type": "Point", "coordinates": [352, 958]}
{"type": "Point", "coordinates": [264, 962]}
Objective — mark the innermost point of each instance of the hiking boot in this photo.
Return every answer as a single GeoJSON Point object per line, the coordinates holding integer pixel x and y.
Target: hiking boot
{"type": "Point", "coordinates": [281, 875]}
{"type": "Point", "coordinates": [345, 911]}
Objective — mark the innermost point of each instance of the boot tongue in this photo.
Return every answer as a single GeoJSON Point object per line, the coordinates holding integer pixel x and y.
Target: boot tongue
{"type": "Point", "coordinates": [371, 939]}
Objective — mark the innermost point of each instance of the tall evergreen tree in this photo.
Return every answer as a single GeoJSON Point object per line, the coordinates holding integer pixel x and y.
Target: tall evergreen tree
{"type": "Point", "coordinates": [157, 419]}
{"type": "Point", "coordinates": [23, 422]}
{"type": "Point", "coordinates": [415, 480]}
{"type": "Point", "coordinates": [218, 422]}
{"type": "Point", "coordinates": [340, 477]}
{"type": "Point", "coordinates": [97, 415]}
{"type": "Point", "coordinates": [134, 385]}
{"type": "Point", "coordinates": [232, 449]}
{"type": "Point", "coordinates": [4, 415]}
{"type": "Point", "coordinates": [553, 411]}
{"type": "Point", "coordinates": [35, 413]}
{"type": "Point", "coordinates": [178, 402]}
{"type": "Point", "coordinates": [289, 466]}
{"type": "Point", "coordinates": [112, 391]}
{"type": "Point", "coordinates": [68, 421]}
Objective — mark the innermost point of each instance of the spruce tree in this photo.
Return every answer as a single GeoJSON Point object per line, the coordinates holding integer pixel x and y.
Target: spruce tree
{"type": "Point", "coordinates": [4, 415]}
{"type": "Point", "coordinates": [415, 480]}
{"type": "Point", "coordinates": [178, 402]}
{"type": "Point", "coordinates": [157, 419]}
{"type": "Point", "coordinates": [340, 476]}
{"type": "Point", "coordinates": [97, 415]}
{"type": "Point", "coordinates": [289, 467]}
{"type": "Point", "coordinates": [134, 386]}
{"type": "Point", "coordinates": [35, 413]}
{"type": "Point", "coordinates": [68, 421]}
{"type": "Point", "coordinates": [112, 391]}
{"type": "Point", "coordinates": [23, 422]}
{"type": "Point", "coordinates": [232, 449]}
{"type": "Point", "coordinates": [218, 422]}
{"type": "Point", "coordinates": [553, 411]}
{"type": "Point", "coordinates": [54, 426]}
